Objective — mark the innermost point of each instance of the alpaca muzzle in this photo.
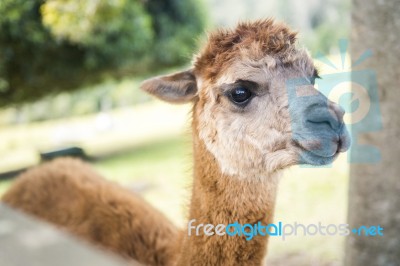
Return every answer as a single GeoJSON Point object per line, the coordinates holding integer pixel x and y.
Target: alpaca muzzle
{"type": "Point", "coordinates": [318, 129]}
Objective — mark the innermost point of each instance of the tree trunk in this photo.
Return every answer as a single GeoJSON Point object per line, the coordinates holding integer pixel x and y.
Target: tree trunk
{"type": "Point", "coordinates": [375, 186]}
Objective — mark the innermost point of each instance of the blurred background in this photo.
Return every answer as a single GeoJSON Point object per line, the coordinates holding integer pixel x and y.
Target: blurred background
{"type": "Point", "coordinates": [69, 82]}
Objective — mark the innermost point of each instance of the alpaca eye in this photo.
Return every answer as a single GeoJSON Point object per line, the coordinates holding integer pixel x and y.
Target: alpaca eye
{"type": "Point", "coordinates": [240, 95]}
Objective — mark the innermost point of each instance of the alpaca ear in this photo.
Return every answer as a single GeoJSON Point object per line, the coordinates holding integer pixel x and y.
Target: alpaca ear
{"type": "Point", "coordinates": [180, 87]}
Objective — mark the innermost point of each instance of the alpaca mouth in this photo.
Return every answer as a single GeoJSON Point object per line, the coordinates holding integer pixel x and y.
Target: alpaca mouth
{"type": "Point", "coordinates": [324, 149]}
{"type": "Point", "coordinates": [314, 147]}
{"type": "Point", "coordinates": [311, 157]}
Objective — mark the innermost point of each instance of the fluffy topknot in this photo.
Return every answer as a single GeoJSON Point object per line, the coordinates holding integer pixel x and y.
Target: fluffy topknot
{"type": "Point", "coordinates": [259, 38]}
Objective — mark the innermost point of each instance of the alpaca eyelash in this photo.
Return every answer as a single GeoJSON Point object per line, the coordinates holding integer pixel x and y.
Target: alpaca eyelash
{"type": "Point", "coordinates": [316, 74]}
{"type": "Point", "coordinates": [314, 77]}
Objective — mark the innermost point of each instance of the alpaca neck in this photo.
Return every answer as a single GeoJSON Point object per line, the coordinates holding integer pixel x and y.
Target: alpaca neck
{"type": "Point", "coordinates": [222, 199]}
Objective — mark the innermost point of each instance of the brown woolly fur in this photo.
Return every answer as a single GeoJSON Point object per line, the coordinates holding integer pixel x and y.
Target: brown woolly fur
{"type": "Point", "coordinates": [242, 138]}
{"type": "Point", "coordinates": [223, 46]}
{"type": "Point", "coordinates": [67, 192]}
{"type": "Point", "coordinates": [220, 199]}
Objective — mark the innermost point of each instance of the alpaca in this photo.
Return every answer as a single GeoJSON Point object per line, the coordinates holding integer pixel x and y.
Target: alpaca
{"type": "Point", "coordinates": [245, 129]}
{"type": "Point", "coordinates": [69, 193]}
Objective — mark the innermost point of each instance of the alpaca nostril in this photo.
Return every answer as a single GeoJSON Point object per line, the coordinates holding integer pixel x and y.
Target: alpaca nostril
{"type": "Point", "coordinates": [323, 121]}
{"type": "Point", "coordinates": [331, 116]}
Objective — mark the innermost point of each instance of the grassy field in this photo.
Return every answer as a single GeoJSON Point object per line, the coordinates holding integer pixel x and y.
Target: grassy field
{"type": "Point", "coordinates": [160, 171]}
{"type": "Point", "coordinates": [152, 155]}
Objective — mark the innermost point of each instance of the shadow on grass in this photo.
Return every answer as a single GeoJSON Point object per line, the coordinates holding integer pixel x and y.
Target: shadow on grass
{"type": "Point", "coordinates": [11, 174]}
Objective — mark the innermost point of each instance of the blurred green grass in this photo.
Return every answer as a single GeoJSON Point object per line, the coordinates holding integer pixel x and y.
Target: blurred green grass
{"type": "Point", "coordinates": [159, 171]}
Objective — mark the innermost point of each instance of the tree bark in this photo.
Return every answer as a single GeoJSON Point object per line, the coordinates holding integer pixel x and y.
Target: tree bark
{"type": "Point", "coordinates": [375, 187]}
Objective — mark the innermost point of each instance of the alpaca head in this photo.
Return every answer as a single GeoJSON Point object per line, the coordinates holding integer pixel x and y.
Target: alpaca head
{"type": "Point", "coordinates": [255, 105]}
